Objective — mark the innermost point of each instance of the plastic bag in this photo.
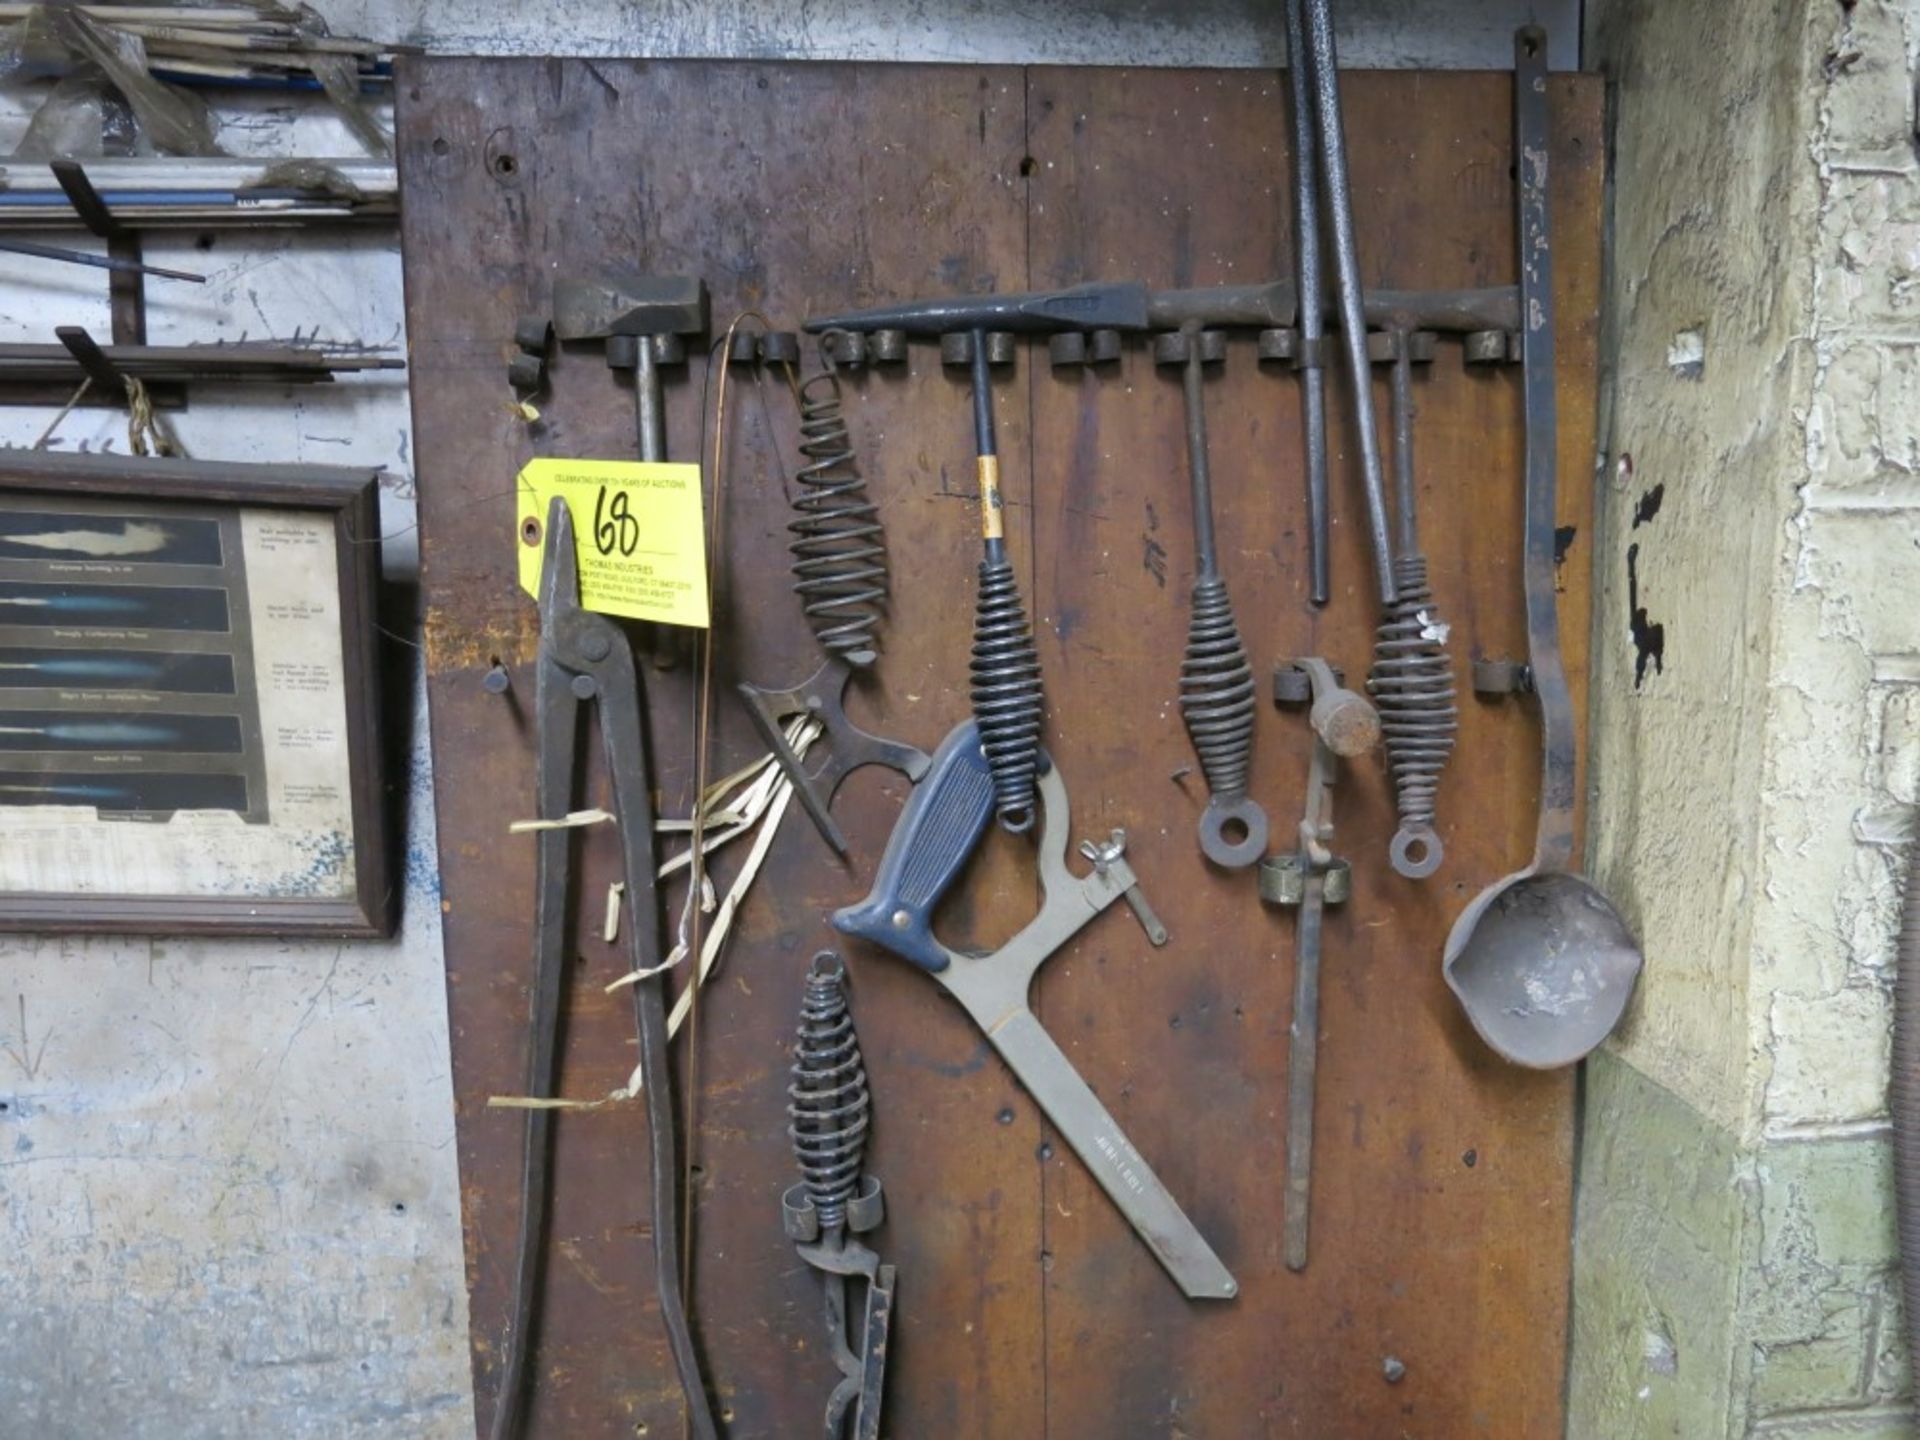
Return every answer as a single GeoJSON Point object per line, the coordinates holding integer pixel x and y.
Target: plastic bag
{"type": "Point", "coordinates": [339, 76]}
{"type": "Point", "coordinates": [31, 50]}
{"type": "Point", "coordinates": [83, 117]}
{"type": "Point", "coordinates": [173, 121]}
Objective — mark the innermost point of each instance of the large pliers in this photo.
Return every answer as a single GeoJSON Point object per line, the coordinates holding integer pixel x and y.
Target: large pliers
{"type": "Point", "coordinates": [585, 657]}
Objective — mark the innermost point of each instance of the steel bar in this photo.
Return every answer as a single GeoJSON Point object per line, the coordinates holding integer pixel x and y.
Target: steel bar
{"type": "Point", "coordinates": [1303, 1064]}
{"type": "Point", "coordinates": [99, 262]}
{"type": "Point", "coordinates": [1456, 312]}
{"type": "Point", "coordinates": [243, 361]}
{"type": "Point", "coordinates": [1346, 259]}
{"type": "Point", "coordinates": [1308, 279]}
{"type": "Point", "coordinates": [200, 192]}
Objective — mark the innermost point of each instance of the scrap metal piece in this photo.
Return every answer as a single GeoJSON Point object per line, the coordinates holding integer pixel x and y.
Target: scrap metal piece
{"type": "Point", "coordinates": [1083, 347]}
{"type": "Point", "coordinates": [526, 373]}
{"type": "Point", "coordinates": [957, 349]}
{"type": "Point", "coordinates": [533, 334]}
{"type": "Point", "coordinates": [1502, 677]}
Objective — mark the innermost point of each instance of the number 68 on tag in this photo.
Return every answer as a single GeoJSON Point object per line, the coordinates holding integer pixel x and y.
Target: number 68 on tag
{"type": "Point", "coordinates": [641, 535]}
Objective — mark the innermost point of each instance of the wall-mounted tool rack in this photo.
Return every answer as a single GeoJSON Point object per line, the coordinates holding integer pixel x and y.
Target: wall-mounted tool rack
{"type": "Point", "coordinates": [1434, 1302]}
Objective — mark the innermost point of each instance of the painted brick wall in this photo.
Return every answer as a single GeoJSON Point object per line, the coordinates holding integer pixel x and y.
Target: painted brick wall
{"type": "Point", "coordinates": [1780, 563]}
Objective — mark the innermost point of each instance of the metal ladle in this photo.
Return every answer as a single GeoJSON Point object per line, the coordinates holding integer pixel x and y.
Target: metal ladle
{"type": "Point", "coordinates": [1541, 961]}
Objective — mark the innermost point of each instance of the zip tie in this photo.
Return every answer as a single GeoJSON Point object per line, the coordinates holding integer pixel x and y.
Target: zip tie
{"type": "Point", "coordinates": [770, 813]}
{"type": "Point", "coordinates": [566, 822]}
{"type": "Point", "coordinates": [610, 931]}
{"type": "Point", "coordinates": [723, 924]}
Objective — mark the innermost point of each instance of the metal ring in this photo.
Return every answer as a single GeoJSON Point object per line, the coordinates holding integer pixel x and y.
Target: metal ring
{"type": "Point", "coordinates": [1432, 852]}
{"type": "Point", "coordinates": [1233, 854]}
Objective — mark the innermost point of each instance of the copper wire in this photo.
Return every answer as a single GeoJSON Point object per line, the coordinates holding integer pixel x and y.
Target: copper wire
{"type": "Point", "coordinates": [703, 736]}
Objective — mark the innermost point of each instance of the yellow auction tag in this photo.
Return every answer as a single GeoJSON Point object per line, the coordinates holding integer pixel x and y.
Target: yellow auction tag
{"type": "Point", "coordinates": [639, 534]}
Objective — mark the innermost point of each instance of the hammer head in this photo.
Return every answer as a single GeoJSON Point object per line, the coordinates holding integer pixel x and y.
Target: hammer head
{"type": "Point", "coordinates": [1097, 306]}
{"type": "Point", "coordinates": [595, 307]}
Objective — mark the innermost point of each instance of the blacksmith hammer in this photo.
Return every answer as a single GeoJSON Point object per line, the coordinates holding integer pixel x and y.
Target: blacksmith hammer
{"type": "Point", "coordinates": [642, 319]}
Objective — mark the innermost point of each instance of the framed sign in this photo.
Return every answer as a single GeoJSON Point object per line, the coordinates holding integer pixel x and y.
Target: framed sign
{"type": "Point", "coordinates": [189, 698]}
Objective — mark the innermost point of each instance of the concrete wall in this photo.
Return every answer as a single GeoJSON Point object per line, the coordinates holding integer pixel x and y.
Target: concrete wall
{"type": "Point", "coordinates": [1756, 750]}
{"type": "Point", "coordinates": [226, 1169]}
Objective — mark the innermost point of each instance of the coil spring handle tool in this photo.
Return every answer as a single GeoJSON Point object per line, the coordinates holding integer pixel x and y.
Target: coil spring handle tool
{"type": "Point", "coordinates": [840, 575]}
{"type": "Point", "coordinates": [978, 332]}
{"type": "Point", "coordinates": [836, 1200]}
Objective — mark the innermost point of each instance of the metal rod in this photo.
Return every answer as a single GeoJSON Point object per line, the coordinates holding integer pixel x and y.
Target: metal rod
{"type": "Point", "coordinates": [985, 449]}
{"type": "Point", "coordinates": [1308, 283]}
{"type": "Point", "coordinates": [1346, 256]}
{"type": "Point", "coordinates": [1553, 845]}
{"type": "Point", "coordinates": [99, 262]}
{"type": "Point", "coordinates": [1408, 538]}
{"type": "Point", "coordinates": [1207, 560]}
{"type": "Point", "coordinates": [983, 440]}
{"type": "Point", "coordinates": [1303, 1062]}
{"type": "Point", "coordinates": [647, 408]}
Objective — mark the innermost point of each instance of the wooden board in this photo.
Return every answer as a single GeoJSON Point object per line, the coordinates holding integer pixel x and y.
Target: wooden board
{"type": "Point", "coordinates": [1026, 1307]}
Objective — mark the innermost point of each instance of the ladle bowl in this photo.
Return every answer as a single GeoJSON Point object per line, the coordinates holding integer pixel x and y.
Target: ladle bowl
{"type": "Point", "coordinates": [1543, 965]}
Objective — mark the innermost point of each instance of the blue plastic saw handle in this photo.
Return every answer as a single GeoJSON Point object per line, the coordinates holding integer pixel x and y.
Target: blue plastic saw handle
{"type": "Point", "coordinates": [938, 829]}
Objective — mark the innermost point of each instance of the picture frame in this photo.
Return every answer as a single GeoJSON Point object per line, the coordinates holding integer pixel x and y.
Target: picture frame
{"type": "Point", "coordinates": [190, 716]}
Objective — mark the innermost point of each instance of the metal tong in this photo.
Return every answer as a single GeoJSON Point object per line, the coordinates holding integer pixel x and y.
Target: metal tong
{"type": "Point", "coordinates": [936, 833]}
{"type": "Point", "coordinates": [584, 657]}
{"type": "Point", "coordinates": [828, 1115]}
